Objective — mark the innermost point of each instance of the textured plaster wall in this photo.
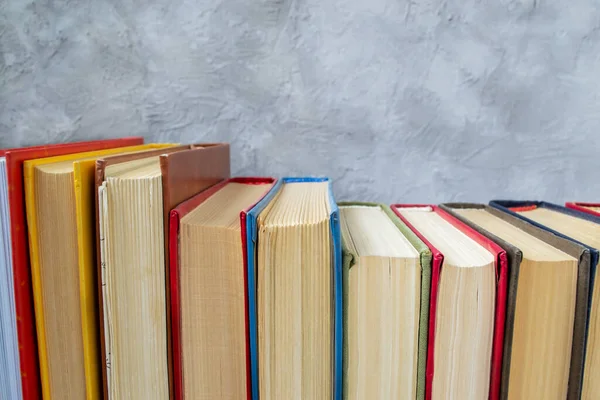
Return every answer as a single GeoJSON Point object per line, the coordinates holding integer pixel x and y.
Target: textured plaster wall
{"type": "Point", "coordinates": [421, 100]}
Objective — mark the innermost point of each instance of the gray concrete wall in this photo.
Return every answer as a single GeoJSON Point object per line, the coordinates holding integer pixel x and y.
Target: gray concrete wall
{"type": "Point", "coordinates": [420, 100]}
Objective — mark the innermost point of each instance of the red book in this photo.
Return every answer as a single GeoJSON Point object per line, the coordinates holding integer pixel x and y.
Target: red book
{"type": "Point", "coordinates": [176, 214]}
{"type": "Point", "coordinates": [28, 353]}
{"type": "Point", "coordinates": [501, 265]}
{"type": "Point", "coordinates": [588, 208]}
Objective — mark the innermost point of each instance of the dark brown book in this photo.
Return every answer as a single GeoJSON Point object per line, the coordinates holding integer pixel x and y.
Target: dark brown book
{"type": "Point", "coordinates": [182, 172]}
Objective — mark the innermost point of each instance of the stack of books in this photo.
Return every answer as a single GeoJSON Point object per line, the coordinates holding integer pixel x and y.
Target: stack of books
{"type": "Point", "coordinates": [145, 271]}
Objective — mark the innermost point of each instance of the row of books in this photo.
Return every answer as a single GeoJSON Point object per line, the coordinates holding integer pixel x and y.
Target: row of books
{"type": "Point", "coordinates": [144, 271]}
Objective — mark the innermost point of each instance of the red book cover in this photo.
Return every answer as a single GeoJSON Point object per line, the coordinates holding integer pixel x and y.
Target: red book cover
{"type": "Point", "coordinates": [28, 354]}
{"type": "Point", "coordinates": [584, 207]}
{"type": "Point", "coordinates": [175, 216]}
{"type": "Point", "coordinates": [501, 293]}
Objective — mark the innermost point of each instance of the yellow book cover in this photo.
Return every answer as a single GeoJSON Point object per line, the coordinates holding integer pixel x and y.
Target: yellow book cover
{"type": "Point", "coordinates": [82, 197]}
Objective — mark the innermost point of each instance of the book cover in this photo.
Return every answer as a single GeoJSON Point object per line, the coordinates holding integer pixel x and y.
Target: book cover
{"type": "Point", "coordinates": [175, 216]}
{"type": "Point", "coordinates": [500, 306]}
{"type": "Point", "coordinates": [15, 158]}
{"type": "Point", "coordinates": [185, 174]}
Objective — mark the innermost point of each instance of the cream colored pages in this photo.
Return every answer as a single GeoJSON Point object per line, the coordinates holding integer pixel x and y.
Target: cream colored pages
{"type": "Point", "coordinates": [58, 268]}
{"type": "Point", "coordinates": [593, 208]}
{"type": "Point", "coordinates": [211, 281]}
{"type": "Point", "coordinates": [102, 226]}
{"type": "Point", "coordinates": [383, 306]}
{"type": "Point", "coordinates": [134, 276]}
{"type": "Point", "coordinates": [465, 310]}
{"type": "Point", "coordinates": [587, 232]}
{"type": "Point", "coordinates": [53, 236]}
{"type": "Point", "coordinates": [544, 312]}
{"type": "Point", "coordinates": [294, 290]}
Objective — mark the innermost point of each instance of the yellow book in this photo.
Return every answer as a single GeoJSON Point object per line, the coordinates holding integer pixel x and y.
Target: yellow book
{"type": "Point", "coordinates": [59, 199]}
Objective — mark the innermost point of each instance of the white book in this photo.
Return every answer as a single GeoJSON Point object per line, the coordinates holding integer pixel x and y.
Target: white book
{"type": "Point", "coordinates": [10, 376]}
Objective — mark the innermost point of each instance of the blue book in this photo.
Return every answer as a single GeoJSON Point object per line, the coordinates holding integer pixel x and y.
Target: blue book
{"type": "Point", "coordinates": [258, 233]}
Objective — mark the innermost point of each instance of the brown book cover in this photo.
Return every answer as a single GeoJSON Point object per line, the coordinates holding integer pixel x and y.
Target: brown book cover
{"type": "Point", "coordinates": [186, 171]}
{"type": "Point", "coordinates": [101, 165]}
{"type": "Point", "coordinates": [515, 256]}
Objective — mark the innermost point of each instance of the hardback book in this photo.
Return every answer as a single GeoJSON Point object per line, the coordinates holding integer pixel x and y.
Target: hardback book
{"type": "Point", "coordinates": [99, 169]}
{"type": "Point", "coordinates": [386, 287]}
{"type": "Point", "coordinates": [546, 304]}
{"type": "Point", "coordinates": [29, 374]}
{"type": "Point", "coordinates": [590, 208]}
{"type": "Point", "coordinates": [10, 382]}
{"type": "Point", "coordinates": [583, 229]}
{"type": "Point", "coordinates": [58, 194]}
{"type": "Point", "coordinates": [467, 306]}
{"type": "Point", "coordinates": [135, 199]}
{"type": "Point", "coordinates": [208, 290]}
{"type": "Point", "coordinates": [295, 292]}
